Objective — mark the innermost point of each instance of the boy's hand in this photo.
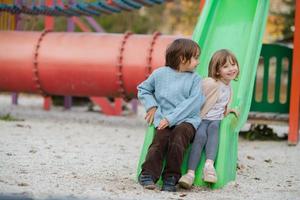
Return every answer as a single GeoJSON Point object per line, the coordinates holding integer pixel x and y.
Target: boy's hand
{"type": "Point", "coordinates": [150, 115]}
{"type": "Point", "coordinates": [163, 124]}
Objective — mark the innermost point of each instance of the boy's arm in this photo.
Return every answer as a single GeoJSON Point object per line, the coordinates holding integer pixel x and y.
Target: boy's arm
{"type": "Point", "coordinates": [188, 106]}
{"type": "Point", "coordinates": [150, 115]}
{"type": "Point", "coordinates": [146, 92]}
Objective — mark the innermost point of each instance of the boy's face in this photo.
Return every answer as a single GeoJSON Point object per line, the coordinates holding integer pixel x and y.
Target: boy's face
{"type": "Point", "coordinates": [189, 66]}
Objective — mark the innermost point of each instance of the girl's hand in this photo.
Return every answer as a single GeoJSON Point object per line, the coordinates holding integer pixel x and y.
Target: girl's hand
{"type": "Point", "coordinates": [150, 115]}
{"type": "Point", "coordinates": [163, 124]}
{"type": "Point", "coordinates": [234, 111]}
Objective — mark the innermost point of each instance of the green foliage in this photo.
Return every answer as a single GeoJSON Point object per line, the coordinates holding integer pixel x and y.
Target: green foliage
{"type": "Point", "coordinates": [8, 117]}
{"type": "Point", "coordinates": [174, 17]}
{"type": "Point", "coordinates": [145, 20]}
{"type": "Point", "coordinates": [286, 19]}
{"type": "Point", "coordinates": [37, 23]}
{"type": "Point", "coordinates": [76, 101]}
{"type": "Point", "coordinates": [261, 132]}
{"type": "Point", "coordinates": [181, 17]}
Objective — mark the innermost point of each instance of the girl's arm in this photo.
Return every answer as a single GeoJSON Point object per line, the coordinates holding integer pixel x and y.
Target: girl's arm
{"type": "Point", "coordinates": [189, 106]}
{"type": "Point", "coordinates": [231, 110]}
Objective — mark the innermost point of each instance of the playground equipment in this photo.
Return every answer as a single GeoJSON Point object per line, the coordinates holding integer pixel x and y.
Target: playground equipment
{"type": "Point", "coordinates": [217, 28]}
{"type": "Point", "coordinates": [276, 104]}
{"type": "Point", "coordinates": [294, 114]}
{"type": "Point", "coordinates": [271, 98]}
{"type": "Point", "coordinates": [106, 106]}
{"type": "Point", "coordinates": [93, 64]}
{"type": "Point", "coordinates": [74, 8]}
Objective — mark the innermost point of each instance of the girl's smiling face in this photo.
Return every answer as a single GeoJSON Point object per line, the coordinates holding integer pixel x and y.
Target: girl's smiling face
{"type": "Point", "coordinates": [228, 72]}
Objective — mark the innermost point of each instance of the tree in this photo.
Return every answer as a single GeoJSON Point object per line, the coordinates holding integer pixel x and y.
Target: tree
{"type": "Point", "coordinates": [175, 17]}
{"type": "Point", "coordinates": [281, 21]}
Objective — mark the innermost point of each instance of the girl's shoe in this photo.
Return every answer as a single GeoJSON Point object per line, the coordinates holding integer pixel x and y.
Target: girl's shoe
{"type": "Point", "coordinates": [186, 181]}
{"type": "Point", "coordinates": [209, 174]}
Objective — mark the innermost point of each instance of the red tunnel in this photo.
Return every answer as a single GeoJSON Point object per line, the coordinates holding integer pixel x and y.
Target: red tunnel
{"type": "Point", "coordinates": [78, 64]}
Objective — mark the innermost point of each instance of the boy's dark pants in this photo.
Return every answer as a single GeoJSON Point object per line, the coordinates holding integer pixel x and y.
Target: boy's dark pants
{"type": "Point", "coordinates": [169, 142]}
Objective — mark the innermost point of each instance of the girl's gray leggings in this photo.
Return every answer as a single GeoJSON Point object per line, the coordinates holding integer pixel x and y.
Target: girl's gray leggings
{"type": "Point", "coordinates": [207, 136]}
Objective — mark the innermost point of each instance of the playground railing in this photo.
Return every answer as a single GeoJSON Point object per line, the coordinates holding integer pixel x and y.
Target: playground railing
{"type": "Point", "coordinates": [271, 96]}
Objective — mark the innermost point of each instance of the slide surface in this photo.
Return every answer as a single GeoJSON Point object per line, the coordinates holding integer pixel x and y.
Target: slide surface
{"type": "Point", "coordinates": [237, 25]}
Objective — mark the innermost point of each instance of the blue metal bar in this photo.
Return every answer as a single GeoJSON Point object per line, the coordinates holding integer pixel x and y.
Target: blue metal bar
{"type": "Point", "coordinates": [78, 8]}
{"type": "Point", "coordinates": [133, 4]}
{"type": "Point", "coordinates": [146, 2]}
{"type": "Point", "coordinates": [84, 7]}
{"type": "Point", "coordinates": [122, 5]}
{"type": "Point", "coordinates": [104, 5]}
{"type": "Point", "coordinates": [100, 9]}
{"type": "Point", "coordinates": [157, 1]}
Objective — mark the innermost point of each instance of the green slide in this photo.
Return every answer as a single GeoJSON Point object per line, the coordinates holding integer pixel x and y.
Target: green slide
{"type": "Point", "coordinates": [237, 25]}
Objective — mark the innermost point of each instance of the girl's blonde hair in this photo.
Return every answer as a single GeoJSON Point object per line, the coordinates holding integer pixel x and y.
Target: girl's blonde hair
{"type": "Point", "coordinates": [218, 60]}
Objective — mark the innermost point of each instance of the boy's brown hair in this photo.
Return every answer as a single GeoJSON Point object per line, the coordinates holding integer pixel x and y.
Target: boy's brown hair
{"type": "Point", "coordinates": [218, 60]}
{"type": "Point", "coordinates": [181, 50]}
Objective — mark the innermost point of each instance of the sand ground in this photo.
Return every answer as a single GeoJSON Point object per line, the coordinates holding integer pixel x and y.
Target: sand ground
{"type": "Point", "coordinates": [78, 154]}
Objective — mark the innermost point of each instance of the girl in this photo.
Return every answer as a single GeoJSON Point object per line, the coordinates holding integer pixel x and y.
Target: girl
{"type": "Point", "coordinates": [223, 68]}
{"type": "Point", "coordinates": [172, 97]}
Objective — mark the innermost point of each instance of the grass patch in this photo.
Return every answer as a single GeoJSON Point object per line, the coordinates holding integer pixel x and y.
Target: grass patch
{"type": "Point", "coordinates": [9, 118]}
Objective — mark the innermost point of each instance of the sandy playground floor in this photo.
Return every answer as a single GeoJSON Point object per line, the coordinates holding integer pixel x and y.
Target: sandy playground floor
{"type": "Point", "coordinates": [85, 155]}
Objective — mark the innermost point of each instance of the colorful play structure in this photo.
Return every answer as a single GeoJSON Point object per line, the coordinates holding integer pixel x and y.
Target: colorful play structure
{"type": "Point", "coordinates": [102, 65]}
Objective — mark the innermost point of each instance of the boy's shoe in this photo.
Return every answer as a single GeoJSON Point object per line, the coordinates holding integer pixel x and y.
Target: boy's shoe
{"type": "Point", "coordinates": [146, 181]}
{"type": "Point", "coordinates": [209, 174]}
{"type": "Point", "coordinates": [186, 181]}
{"type": "Point", "coordinates": [169, 184]}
